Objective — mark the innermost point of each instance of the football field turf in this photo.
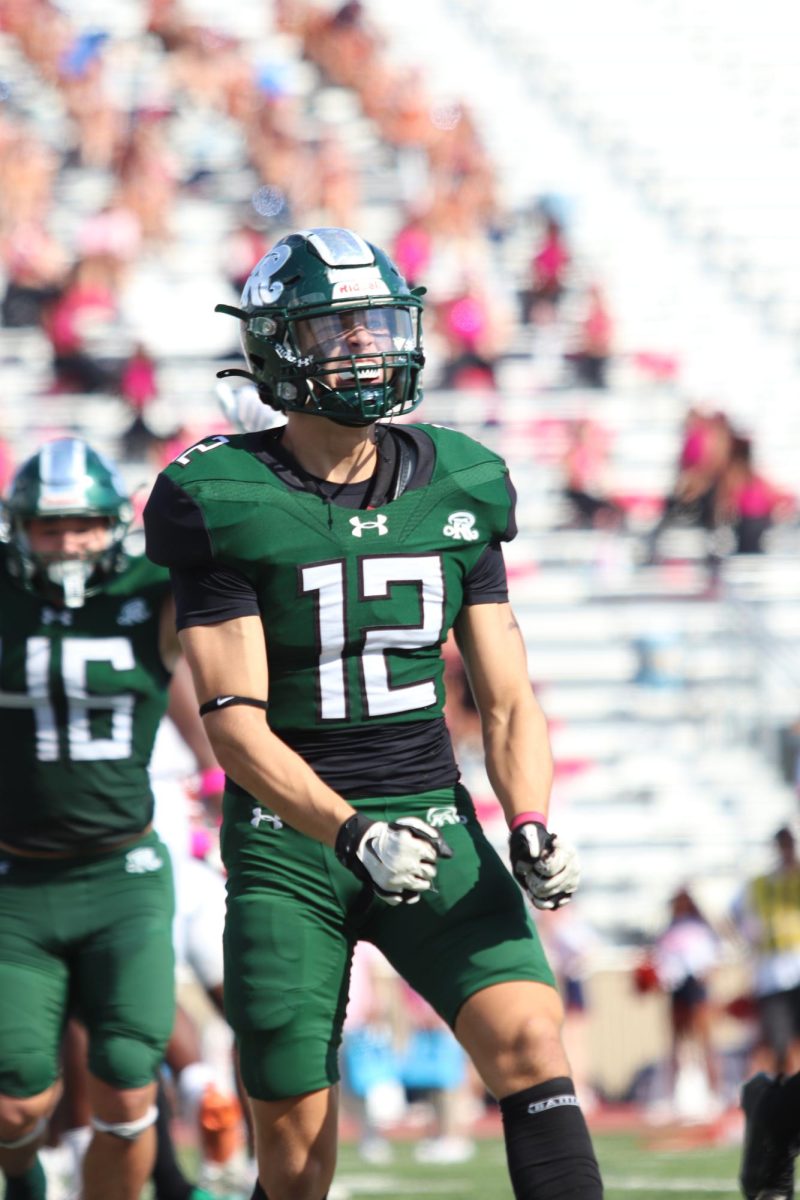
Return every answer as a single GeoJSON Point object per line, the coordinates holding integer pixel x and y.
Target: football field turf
{"type": "Point", "coordinates": [630, 1169]}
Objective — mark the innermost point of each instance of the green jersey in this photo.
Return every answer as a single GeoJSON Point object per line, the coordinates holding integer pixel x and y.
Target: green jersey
{"type": "Point", "coordinates": [82, 692]}
{"type": "Point", "coordinates": [355, 605]}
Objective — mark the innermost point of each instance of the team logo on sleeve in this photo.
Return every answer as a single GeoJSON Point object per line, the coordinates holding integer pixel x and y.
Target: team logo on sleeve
{"type": "Point", "coordinates": [461, 527]}
{"type": "Point", "coordinates": [380, 523]}
{"type": "Point", "coordinates": [134, 612]}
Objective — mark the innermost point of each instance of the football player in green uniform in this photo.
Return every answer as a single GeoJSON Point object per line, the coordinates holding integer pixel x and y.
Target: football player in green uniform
{"type": "Point", "coordinates": [317, 569]}
{"type": "Point", "coordinates": [87, 644]}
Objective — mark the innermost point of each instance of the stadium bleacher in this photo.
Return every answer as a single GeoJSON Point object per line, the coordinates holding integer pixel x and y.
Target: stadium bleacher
{"type": "Point", "coordinates": [666, 689]}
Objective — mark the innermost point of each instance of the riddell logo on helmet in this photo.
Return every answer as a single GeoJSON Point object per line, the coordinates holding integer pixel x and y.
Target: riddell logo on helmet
{"type": "Point", "coordinates": [61, 499]}
{"type": "Point", "coordinates": [365, 281]}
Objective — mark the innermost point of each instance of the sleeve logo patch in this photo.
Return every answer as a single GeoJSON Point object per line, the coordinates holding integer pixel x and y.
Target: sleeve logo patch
{"type": "Point", "coordinates": [134, 612]}
{"type": "Point", "coordinates": [461, 527]}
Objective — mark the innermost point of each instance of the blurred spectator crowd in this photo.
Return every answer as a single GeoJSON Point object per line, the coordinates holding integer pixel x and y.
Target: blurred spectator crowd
{"type": "Point", "coordinates": [70, 274]}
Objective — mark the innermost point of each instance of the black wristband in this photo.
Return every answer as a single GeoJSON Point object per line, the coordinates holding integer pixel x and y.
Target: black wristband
{"type": "Point", "coordinates": [228, 702]}
{"type": "Point", "coordinates": [348, 840]}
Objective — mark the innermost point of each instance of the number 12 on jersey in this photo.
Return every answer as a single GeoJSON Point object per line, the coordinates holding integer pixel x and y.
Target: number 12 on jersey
{"type": "Point", "coordinates": [376, 578]}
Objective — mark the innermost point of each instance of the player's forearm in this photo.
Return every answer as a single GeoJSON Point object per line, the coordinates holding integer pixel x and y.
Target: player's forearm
{"type": "Point", "coordinates": [519, 761]}
{"type": "Point", "coordinates": [277, 777]}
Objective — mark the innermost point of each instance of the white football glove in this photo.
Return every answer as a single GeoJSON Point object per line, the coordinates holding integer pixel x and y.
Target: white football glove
{"type": "Point", "coordinates": [397, 860]}
{"type": "Point", "coordinates": [545, 867]}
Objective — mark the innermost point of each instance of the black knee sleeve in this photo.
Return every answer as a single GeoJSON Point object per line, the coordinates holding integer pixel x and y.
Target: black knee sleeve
{"type": "Point", "coordinates": [550, 1154]}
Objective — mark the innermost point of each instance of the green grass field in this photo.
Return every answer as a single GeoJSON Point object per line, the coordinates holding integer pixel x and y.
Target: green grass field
{"type": "Point", "coordinates": [630, 1169]}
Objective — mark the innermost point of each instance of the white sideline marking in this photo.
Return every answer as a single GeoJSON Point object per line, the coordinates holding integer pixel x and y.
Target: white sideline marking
{"type": "Point", "coordinates": [355, 1185]}
{"type": "Point", "coordinates": [347, 1186]}
{"type": "Point", "coordinates": [689, 1187]}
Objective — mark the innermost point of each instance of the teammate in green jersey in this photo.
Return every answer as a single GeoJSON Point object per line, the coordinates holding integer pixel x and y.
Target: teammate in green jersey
{"type": "Point", "coordinates": [87, 644]}
{"type": "Point", "coordinates": [321, 565]}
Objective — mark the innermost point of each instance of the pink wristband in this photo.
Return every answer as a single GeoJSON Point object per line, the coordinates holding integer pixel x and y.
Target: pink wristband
{"type": "Point", "coordinates": [525, 818]}
{"type": "Point", "coordinates": [212, 780]}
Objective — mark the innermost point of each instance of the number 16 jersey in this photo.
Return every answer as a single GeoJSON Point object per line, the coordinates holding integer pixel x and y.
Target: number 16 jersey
{"type": "Point", "coordinates": [82, 692]}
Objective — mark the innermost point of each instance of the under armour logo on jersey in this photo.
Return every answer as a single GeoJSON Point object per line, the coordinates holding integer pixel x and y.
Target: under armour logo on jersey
{"type": "Point", "coordinates": [142, 860]}
{"type": "Point", "coordinates": [134, 612]}
{"type": "Point", "coordinates": [437, 817]}
{"type": "Point", "coordinates": [56, 616]}
{"type": "Point", "coordinates": [461, 526]}
{"type": "Point", "coordinates": [380, 523]}
{"type": "Point", "coordinates": [259, 815]}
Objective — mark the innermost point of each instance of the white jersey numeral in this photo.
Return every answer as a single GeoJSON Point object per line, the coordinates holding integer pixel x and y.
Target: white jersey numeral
{"type": "Point", "coordinates": [76, 654]}
{"type": "Point", "coordinates": [328, 580]}
{"type": "Point", "coordinates": [377, 575]}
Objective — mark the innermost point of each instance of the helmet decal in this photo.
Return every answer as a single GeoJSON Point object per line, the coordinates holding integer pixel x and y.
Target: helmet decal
{"type": "Point", "coordinates": [62, 474]}
{"type": "Point", "coordinates": [261, 289]}
{"type": "Point", "coordinates": [340, 247]}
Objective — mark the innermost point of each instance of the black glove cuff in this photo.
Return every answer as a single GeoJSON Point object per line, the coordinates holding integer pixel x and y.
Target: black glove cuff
{"type": "Point", "coordinates": [348, 840]}
{"type": "Point", "coordinates": [519, 849]}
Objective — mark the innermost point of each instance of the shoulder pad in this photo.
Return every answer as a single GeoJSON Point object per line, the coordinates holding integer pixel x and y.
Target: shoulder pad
{"type": "Point", "coordinates": [459, 449]}
{"type": "Point", "coordinates": [473, 478]}
{"type": "Point", "coordinates": [182, 517]}
{"type": "Point", "coordinates": [220, 456]}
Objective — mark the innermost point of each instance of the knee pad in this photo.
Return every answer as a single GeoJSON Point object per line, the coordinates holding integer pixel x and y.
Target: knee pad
{"type": "Point", "coordinates": [124, 1062]}
{"type": "Point", "coordinates": [28, 1138]}
{"type": "Point", "coordinates": [129, 1131]}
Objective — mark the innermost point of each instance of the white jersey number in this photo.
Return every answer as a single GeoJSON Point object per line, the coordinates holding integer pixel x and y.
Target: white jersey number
{"type": "Point", "coordinates": [376, 579]}
{"type": "Point", "coordinates": [76, 654]}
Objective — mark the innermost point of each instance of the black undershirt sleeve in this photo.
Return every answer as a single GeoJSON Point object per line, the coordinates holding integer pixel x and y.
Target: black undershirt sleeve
{"type": "Point", "coordinates": [209, 594]}
{"type": "Point", "coordinates": [487, 583]}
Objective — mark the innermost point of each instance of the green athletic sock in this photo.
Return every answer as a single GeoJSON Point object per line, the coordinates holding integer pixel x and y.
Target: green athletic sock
{"type": "Point", "coordinates": [30, 1186]}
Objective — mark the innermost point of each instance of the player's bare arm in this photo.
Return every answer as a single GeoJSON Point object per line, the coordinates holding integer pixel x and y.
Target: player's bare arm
{"type": "Point", "coordinates": [516, 743]}
{"type": "Point", "coordinates": [230, 659]}
{"type": "Point", "coordinates": [517, 749]}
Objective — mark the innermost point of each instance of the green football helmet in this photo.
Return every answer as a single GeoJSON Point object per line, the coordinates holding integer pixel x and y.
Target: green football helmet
{"type": "Point", "coordinates": [66, 478]}
{"type": "Point", "coordinates": [330, 327]}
